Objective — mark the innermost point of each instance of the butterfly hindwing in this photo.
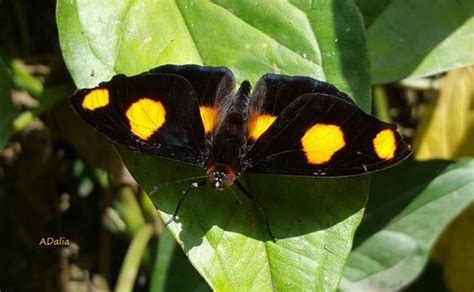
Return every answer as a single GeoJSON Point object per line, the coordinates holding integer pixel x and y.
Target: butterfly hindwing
{"type": "Point", "coordinates": [325, 135]}
{"type": "Point", "coordinates": [211, 85]}
{"type": "Point", "coordinates": [152, 113]}
{"type": "Point", "coordinates": [274, 92]}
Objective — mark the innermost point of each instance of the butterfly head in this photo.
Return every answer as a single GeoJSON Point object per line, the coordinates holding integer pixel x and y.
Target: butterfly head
{"type": "Point", "coordinates": [220, 176]}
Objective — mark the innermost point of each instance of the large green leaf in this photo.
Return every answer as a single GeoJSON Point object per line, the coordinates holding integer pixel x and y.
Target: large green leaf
{"type": "Point", "coordinates": [338, 28]}
{"type": "Point", "coordinates": [314, 220]}
{"type": "Point", "coordinates": [6, 106]}
{"type": "Point", "coordinates": [251, 37]}
{"type": "Point", "coordinates": [371, 9]}
{"type": "Point", "coordinates": [172, 266]}
{"type": "Point", "coordinates": [404, 218]}
{"type": "Point", "coordinates": [414, 38]}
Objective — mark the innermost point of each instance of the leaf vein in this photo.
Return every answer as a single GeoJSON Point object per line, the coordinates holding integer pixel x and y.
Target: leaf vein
{"type": "Point", "coordinates": [273, 39]}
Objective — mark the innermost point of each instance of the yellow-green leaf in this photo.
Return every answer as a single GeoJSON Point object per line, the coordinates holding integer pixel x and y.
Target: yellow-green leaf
{"type": "Point", "coordinates": [447, 130]}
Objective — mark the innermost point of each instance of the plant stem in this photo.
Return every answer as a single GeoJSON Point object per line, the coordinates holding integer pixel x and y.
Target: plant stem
{"type": "Point", "coordinates": [133, 258]}
{"type": "Point", "coordinates": [381, 104]}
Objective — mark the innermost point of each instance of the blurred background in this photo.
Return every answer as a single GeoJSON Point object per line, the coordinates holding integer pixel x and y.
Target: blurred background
{"type": "Point", "coordinates": [59, 179]}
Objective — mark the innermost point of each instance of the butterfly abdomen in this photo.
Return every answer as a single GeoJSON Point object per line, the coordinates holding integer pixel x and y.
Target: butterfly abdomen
{"type": "Point", "coordinates": [224, 161]}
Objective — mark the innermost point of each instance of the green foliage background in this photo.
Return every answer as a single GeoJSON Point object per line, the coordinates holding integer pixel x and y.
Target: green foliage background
{"type": "Point", "coordinates": [352, 44]}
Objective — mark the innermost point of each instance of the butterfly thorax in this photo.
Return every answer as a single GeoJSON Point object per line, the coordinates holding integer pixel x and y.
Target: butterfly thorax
{"type": "Point", "coordinates": [224, 162]}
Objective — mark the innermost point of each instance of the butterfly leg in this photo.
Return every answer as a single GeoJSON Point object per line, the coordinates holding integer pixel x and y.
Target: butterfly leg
{"type": "Point", "coordinates": [259, 206]}
{"type": "Point", "coordinates": [183, 195]}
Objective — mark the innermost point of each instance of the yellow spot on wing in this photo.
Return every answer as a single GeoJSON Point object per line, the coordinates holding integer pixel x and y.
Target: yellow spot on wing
{"type": "Point", "coordinates": [146, 116]}
{"type": "Point", "coordinates": [95, 99]}
{"type": "Point", "coordinates": [321, 141]}
{"type": "Point", "coordinates": [209, 116]}
{"type": "Point", "coordinates": [258, 124]}
{"type": "Point", "coordinates": [385, 144]}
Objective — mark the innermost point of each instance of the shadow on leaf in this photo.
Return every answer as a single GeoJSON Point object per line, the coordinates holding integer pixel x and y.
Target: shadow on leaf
{"type": "Point", "coordinates": [393, 190]}
{"type": "Point", "coordinates": [295, 206]}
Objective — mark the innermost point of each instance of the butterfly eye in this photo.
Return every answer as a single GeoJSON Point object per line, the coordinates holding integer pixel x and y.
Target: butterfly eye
{"type": "Point", "coordinates": [218, 180]}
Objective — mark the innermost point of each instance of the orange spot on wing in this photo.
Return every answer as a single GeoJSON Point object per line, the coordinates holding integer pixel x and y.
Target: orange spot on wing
{"type": "Point", "coordinates": [258, 124]}
{"type": "Point", "coordinates": [385, 144]}
{"type": "Point", "coordinates": [146, 116]}
{"type": "Point", "coordinates": [95, 99]}
{"type": "Point", "coordinates": [321, 142]}
{"type": "Point", "coordinates": [209, 116]}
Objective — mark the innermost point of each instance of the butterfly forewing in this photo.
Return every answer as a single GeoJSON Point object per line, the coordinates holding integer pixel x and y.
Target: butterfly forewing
{"type": "Point", "coordinates": [324, 135]}
{"type": "Point", "coordinates": [152, 113]}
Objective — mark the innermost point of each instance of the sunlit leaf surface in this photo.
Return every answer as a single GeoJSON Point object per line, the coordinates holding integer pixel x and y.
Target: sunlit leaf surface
{"type": "Point", "coordinates": [313, 220]}
{"type": "Point", "coordinates": [404, 218]}
{"type": "Point", "coordinates": [414, 38]}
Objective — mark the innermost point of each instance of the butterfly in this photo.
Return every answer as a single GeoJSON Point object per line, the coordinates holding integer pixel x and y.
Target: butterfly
{"type": "Point", "coordinates": [286, 125]}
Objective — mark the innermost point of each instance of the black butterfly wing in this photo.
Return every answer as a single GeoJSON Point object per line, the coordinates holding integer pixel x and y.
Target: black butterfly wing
{"type": "Point", "coordinates": [325, 135]}
{"type": "Point", "coordinates": [273, 93]}
{"type": "Point", "coordinates": [210, 84]}
{"type": "Point", "coordinates": [152, 113]}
